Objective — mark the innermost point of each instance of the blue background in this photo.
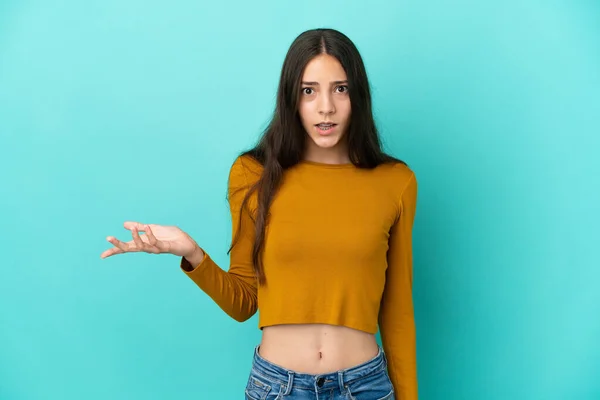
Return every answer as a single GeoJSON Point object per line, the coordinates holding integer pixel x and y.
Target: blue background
{"type": "Point", "coordinates": [125, 110]}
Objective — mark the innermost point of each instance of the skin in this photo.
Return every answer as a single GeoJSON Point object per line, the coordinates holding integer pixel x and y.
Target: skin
{"type": "Point", "coordinates": [320, 348]}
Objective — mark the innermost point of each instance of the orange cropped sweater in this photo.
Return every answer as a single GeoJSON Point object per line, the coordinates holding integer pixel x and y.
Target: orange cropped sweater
{"type": "Point", "coordinates": [338, 250]}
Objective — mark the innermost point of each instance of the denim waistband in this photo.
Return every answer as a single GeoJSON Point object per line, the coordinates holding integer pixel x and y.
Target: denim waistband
{"type": "Point", "coordinates": [318, 382]}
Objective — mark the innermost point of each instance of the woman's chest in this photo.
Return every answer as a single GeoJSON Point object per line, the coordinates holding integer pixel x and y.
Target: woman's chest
{"type": "Point", "coordinates": [329, 222]}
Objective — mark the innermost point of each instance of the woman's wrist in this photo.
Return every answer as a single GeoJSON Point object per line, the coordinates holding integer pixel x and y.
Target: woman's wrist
{"type": "Point", "coordinates": [195, 257]}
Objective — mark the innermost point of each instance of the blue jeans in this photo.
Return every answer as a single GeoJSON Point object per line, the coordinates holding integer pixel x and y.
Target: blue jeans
{"type": "Point", "coordinates": [366, 381]}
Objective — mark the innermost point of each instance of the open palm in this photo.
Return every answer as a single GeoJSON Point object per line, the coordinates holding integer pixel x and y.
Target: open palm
{"type": "Point", "coordinates": [157, 239]}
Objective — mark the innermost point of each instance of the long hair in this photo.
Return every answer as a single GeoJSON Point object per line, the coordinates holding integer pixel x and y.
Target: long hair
{"type": "Point", "coordinates": [282, 143]}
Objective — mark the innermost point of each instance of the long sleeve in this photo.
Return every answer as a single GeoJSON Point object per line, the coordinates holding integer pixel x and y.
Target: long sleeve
{"type": "Point", "coordinates": [396, 316]}
{"type": "Point", "coordinates": [234, 291]}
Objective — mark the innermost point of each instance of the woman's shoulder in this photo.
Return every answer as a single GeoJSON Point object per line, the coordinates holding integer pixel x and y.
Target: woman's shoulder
{"type": "Point", "coordinates": [400, 180]}
{"type": "Point", "coordinates": [246, 166]}
{"type": "Point", "coordinates": [397, 171]}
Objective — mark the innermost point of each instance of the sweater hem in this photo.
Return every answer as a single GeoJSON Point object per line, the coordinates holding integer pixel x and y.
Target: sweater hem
{"type": "Point", "coordinates": [361, 326]}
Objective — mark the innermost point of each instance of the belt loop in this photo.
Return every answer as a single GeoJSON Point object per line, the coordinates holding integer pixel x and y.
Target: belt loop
{"type": "Point", "coordinates": [288, 390]}
{"type": "Point", "coordinates": [341, 382]}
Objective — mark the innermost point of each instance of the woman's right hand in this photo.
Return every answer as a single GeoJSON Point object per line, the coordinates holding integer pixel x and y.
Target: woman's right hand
{"type": "Point", "coordinates": [158, 239]}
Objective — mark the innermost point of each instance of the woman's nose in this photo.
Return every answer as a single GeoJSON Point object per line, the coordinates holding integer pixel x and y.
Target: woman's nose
{"type": "Point", "coordinates": [326, 105]}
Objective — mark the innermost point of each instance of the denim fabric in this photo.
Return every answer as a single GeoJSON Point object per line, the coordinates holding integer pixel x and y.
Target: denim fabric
{"type": "Point", "coordinates": [366, 381]}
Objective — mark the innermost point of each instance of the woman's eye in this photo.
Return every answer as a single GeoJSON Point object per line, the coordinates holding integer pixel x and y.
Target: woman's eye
{"type": "Point", "coordinates": [345, 88]}
{"type": "Point", "coordinates": [305, 89]}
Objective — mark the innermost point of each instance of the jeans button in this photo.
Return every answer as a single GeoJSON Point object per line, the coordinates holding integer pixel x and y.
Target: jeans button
{"type": "Point", "coordinates": [320, 381]}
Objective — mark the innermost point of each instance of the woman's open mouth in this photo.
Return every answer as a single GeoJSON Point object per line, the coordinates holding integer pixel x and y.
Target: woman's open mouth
{"type": "Point", "coordinates": [325, 129]}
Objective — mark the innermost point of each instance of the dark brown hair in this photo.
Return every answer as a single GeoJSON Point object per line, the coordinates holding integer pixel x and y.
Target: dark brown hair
{"type": "Point", "coordinates": [282, 143]}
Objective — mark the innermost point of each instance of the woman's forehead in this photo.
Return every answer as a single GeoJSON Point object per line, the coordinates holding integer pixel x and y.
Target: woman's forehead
{"type": "Point", "coordinates": [324, 70]}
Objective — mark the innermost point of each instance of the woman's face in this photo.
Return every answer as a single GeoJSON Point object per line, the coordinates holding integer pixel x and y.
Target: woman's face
{"type": "Point", "coordinates": [324, 98]}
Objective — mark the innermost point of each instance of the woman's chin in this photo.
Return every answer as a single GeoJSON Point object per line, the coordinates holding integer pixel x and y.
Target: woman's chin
{"type": "Point", "coordinates": [325, 142]}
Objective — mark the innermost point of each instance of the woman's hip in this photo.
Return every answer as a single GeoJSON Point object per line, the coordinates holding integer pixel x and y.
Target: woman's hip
{"type": "Point", "coordinates": [365, 381]}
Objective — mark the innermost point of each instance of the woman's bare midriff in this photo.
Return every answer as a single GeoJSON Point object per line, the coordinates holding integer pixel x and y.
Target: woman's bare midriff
{"type": "Point", "coordinates": [316, 348]}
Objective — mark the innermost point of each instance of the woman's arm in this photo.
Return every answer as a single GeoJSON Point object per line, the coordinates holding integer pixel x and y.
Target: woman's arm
{"type": "Point", "coordinates": [396, 315]}
{"type": "Point", "coordinates": [193, 259]}
{"type": "Point", "coordinates": [235, 291]}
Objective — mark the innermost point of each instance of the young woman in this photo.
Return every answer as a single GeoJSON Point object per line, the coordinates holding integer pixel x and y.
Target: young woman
{"type": "Point", "coordinates": [322, 223]}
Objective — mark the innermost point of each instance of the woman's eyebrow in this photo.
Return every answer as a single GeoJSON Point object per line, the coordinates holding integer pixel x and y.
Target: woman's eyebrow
{"type": "Point", "coordinates": [317, 83]}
